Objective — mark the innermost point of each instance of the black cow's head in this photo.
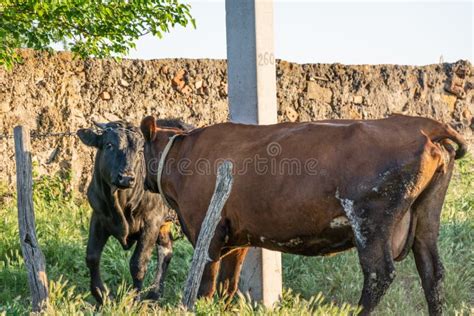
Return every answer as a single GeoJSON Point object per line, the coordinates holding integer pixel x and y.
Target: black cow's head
{"type": "Point", "coordinates": [119, 159]}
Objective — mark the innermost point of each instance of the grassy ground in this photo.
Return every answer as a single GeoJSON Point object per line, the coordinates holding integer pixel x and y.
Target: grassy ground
{"type": "Point", "coordinates": [62, 225]}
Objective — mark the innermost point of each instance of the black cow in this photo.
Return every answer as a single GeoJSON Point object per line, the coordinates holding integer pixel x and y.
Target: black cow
{"type": "Point", "coordinates": [123, 208]}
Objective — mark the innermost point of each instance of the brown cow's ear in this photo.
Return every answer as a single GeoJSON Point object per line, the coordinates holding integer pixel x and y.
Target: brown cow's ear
{"type": "Point", "coordinates": [89, 137]}
{"type": "Point", "coordinates": [148, 128]}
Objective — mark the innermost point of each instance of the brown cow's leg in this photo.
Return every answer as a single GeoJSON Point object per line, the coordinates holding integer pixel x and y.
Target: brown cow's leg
{"type": "Point", "coordinates": [209, 276]}
{"type": "Point", "coordinates": [428, 211]}
{"type": "Point", "coordinates": [431, 272]}
{"type": "Point", "coordinates": [208, 282]}
{"type": "Point", "coordinates": [95, 244]}
{"type": "Point", "coordinates": [229, 275]}
{"type": "Point", "coordinates": [377, 265]}
{"type": "Point", "coordinates": [164, 254]}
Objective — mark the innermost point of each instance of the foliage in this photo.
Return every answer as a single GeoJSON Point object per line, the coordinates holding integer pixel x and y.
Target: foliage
{"type": "Point", "coordinates": [86, 27]}
{"type": "Point", "coordinates": [62, 227]}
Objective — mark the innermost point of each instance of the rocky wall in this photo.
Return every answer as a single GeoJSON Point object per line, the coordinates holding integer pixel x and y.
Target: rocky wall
{"type": "Point", "coordinates": [57, 93]}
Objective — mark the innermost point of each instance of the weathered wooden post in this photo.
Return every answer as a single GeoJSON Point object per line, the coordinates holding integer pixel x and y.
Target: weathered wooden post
{"type": "Point", "coordinates": [34, 258]}
{"type": "Point", "coordinates": [208, 228]}
{"type": "Point", "coordinates": [252, 100]}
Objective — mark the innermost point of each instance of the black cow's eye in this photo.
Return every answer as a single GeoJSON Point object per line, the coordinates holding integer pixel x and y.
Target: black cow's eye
{"type": "Point", "coordinates": [109, 145]}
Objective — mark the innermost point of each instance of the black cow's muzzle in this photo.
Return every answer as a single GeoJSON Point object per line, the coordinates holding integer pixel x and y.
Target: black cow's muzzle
{"type": "Point", "coordinates": [125, 181]}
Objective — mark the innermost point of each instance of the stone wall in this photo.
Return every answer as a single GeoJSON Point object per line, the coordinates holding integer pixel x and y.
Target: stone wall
{"type": "Point", "coordinates": [57, 93]}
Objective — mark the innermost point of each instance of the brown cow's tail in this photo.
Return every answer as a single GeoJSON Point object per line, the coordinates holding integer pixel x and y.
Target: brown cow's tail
{"type": "Point", "coordinates": [439, 132]}
{"type": "Point", "coordinates": [447, 132]}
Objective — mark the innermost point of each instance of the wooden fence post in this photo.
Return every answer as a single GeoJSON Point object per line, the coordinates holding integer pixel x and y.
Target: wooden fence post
{"type": "Point", "coordinates": [34, 258]}
{"type": "Point", "coordinates": [208, 227]}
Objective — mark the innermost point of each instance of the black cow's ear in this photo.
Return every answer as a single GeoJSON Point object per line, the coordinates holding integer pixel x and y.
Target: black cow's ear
{"type": "Point", "coordinates": [89, 137]}
{"type": "Point", "coordinates": [148, 128]}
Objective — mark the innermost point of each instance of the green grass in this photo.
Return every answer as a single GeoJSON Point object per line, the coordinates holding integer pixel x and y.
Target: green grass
{"type": "Point", "coordinates": [313, 285]}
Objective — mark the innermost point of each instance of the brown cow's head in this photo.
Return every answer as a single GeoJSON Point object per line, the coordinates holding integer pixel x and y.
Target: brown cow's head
{"type": "Point", "coordinates": [119, 159]}
{"type": "Point", "coordinates": [157, 134]}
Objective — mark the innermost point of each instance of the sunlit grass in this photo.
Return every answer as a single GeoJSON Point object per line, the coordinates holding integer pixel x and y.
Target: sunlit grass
{"type": "Point", "coordinates": [321, 286]}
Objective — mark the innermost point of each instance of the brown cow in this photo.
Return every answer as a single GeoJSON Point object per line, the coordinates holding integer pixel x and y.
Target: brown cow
{"type": "Point", "coordinates": [314, 189]}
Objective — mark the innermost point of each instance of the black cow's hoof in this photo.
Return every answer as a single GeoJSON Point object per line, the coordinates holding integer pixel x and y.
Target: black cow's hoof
{"type": "Point", "coordinates": [152, 296]}
{"type": "Point", "coordinates": [111, 297]}
{"type": "Point", "coordinates": [99, 299]}
{"type": "Point", "coordinates": [138, 297]}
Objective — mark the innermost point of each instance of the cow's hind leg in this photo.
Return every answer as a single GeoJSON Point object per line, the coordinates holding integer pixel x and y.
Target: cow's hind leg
{"type": "Point", "coordinates": [431, 272]}
{"type": "Point", "coordinates": [428, 211]}
{"type": "Point", "coordinates": [164, 254]}
{"type": "Point", "coordinates": [229, 275]}
{"type": "Point", "coordinates": [377, 266]}
{"type": "Point", "coordinates": [372, 222]}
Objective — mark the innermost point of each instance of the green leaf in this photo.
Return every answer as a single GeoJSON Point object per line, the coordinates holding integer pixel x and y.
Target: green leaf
{"type": "Point", "coordinates": [89, 28]}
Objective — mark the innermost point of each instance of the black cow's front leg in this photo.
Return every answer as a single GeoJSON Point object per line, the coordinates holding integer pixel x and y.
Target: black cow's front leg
{"type": "Point", "coordinates": [140, 258]}
{"type": "Point", "coordinates": [97, 239]}
{"type": "Point", "coordinates": [164, 254]}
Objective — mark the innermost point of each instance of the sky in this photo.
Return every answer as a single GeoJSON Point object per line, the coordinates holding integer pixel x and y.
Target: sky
{"type": "Point", "coordinates": [348, 32]}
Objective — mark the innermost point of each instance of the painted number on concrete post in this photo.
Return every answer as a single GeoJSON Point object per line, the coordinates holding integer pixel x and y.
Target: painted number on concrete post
{"type": "Point", "coordinates": [265, 59]}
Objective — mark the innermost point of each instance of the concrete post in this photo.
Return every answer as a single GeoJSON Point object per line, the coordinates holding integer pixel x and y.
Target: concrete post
{"type": "Point", "coordinates": [252, 100]}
